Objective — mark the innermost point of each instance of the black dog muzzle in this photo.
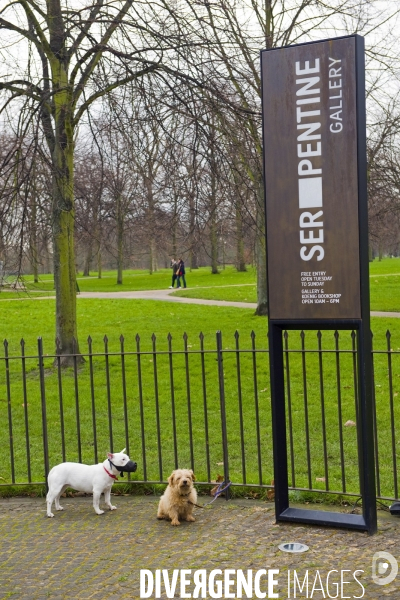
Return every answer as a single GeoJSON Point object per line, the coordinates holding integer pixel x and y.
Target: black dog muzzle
{"type": "Point", "coordinates": [130, 467]}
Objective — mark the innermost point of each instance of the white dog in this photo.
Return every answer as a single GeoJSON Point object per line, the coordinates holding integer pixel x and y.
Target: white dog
{"type": "Point", "coordinates": [179, 498]}
{"type": "Point", "coordinates": [88, 478]}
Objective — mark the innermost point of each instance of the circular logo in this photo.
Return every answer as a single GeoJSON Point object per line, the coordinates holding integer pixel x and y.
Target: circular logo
{"type": "Point", "coordinates": [384, 568]}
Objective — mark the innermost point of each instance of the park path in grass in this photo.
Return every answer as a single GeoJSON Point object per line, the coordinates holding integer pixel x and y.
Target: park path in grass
{"type": "Point", "coordinates": [167, 295]}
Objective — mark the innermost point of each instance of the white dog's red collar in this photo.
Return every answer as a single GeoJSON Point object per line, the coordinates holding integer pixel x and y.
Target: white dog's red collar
{"type": "Point", "coordinates": [110, 474]}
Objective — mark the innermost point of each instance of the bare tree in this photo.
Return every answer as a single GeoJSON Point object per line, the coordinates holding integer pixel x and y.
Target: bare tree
{"type": "Point", "coordinates": [65, 73]}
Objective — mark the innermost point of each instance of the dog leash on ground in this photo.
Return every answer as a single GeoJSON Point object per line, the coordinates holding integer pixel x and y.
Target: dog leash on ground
{"type": "Point", "coordinates": [217, 493]}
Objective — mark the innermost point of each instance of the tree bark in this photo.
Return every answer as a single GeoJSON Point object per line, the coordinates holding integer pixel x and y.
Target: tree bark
{"type": "Point", "coordinates": [261, 255]}
{"type": "Point", "coordinates": [64, 217]}
{"type": "Point", "coordinates": [88, 258]}
{"type": "Point", "coordinates": [240, 261]}
{"type": "Point", "coordinates": [99, 263]}
{"type": "Point", "coordinates": [151, 221]}
{"type": "Point", "coordinates": [33, 240]}
{"type": "Point", "coordinates": [64, 278]}
{"type": "Point", "coordinates": [213, 205]}
{"type": "Point", "coordinates": [120, 241]}
{"type": "Point", "coordinates": [214, 242]}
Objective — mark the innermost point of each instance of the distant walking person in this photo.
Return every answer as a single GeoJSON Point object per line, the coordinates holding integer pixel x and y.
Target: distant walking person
{"type": "Point", "coordinates": [181, 274]}
{"type": "Point", "coordinates": [174, 266]}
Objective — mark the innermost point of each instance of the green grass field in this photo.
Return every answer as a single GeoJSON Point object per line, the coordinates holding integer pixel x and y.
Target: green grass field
{"type": "Point", "coordinates": [228, 285]}
{"type": "Point", "coordinates": [29, 319]}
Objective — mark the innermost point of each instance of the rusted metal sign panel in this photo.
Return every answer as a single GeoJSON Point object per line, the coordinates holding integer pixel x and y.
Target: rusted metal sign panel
{"type": "Point", "coordinates": [311, 180]}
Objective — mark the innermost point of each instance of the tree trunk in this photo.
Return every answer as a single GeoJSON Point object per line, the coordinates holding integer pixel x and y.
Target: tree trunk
{"type": "Point", "coordinates": [153, 267]}
{"type": "Point", "coordinates": [120, 241]}
{"type": "Point", "coordinates": [214, 244]}
{"type": "Point", "coordinates": [213, 209]}
{"type": "Point", "coordinates": [153, 257]}
{"type": "Point", "coordinates": [98, 251]}
{"type": "Point", "coordinates": [174, 227]}
{"type": "Point", "coordinates": [193, 253]}
{"type": "Point", "coordinates": [99, 263]}
{"type": "Point", "coordinates": [64, 277]}
{"type": "Point", "coordinates": [88, 259]}
{"type": "Point", "coordinates": [240, 261]}
{"type": "Point", "coordinates": [261, 256]}
{"type": "Point", "coordinates": [64, 221]}
{"type": "Point", "coordinates": [33, 242]}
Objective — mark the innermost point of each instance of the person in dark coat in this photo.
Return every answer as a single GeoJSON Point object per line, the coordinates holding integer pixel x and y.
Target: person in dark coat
{"type": "Point", "coordinates": [174, 266]}
{"type": "Point", "coordinates": [181, 274]}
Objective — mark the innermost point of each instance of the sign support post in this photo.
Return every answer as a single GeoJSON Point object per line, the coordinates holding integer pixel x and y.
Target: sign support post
{"type": "Point", "coordinates": [314, 131]}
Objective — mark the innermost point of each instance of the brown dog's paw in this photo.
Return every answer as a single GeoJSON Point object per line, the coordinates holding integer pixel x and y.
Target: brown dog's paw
{"type": "Point", "coordinates": [175, 522]}
{"type": "Point", "coordinates": [190, 518]}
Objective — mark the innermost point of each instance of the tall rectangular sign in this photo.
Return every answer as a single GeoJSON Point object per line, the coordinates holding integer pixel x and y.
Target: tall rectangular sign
{"type": "Point", "coordinates": [311, 180]}
{"type": "Point", "coordinates": [315, 171]}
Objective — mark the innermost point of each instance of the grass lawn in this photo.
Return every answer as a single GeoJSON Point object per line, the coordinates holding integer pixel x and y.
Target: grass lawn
{"type": "Point", "coordinates": [228, 285]}
{"type": "Point", "coordinates": [138, 280]}
{"type": "Point", "coordinates": [384, 288]}
{"type": "Point", "coordinates": [195, 405]}
{"type": "Point", "coordinates": [385, 285]}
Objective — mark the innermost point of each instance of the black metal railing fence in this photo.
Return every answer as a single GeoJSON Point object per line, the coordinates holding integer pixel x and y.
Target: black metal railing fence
{"type": "Point", "coordinates": [205, 406]}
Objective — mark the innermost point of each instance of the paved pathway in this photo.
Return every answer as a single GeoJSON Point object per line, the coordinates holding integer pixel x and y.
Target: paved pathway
{"type": "Point", "coordinates": [79, 555]}
{"type": "Point", "coordinates": [167, 295]}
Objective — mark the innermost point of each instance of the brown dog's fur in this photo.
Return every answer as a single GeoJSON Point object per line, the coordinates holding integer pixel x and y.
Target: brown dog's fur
{"type": "Point", "coordinates": [176, 502]}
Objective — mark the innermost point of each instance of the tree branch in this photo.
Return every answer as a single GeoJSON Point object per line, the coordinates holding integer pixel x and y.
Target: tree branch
{"type": "Point", "coordinates": [92, 64]}
{"type": "Point", "coordinates": [109, 88]}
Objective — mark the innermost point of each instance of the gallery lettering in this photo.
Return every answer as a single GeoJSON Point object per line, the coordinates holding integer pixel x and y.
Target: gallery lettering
{"type": "Point", "coordinates": [308, 117]}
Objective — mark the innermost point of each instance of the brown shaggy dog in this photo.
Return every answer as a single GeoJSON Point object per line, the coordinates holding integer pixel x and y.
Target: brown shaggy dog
{"type": "Point", "coordinates": [179, 497]}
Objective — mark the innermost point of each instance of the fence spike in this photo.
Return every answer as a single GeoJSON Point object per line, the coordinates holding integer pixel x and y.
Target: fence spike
{"type": "Point", "coordinates": [252, 335]}
{"type": "Point", "coordinates": [236, 335]}
{"type": "Point", "coordinates": [336, 335]}
{"type": "Point", "coordinates": [353, 335]}
{"type": "Point", "coordinates": [201, 336]}
{"type": "Point", "coordinates": [153, 337]}
{"type": "Point", "coordinates": [5, 343]}
{"type": "Point", "coordinates": [121, 338]}
{"type": "Point", "coordinates": [302, 335]}
{"type": "Point", "coordinates": [388, 336]}
{"type": "Point", "coordinates": [22, 343]}
{"type": "Point", "coordinates": [89, 340]}
{"type": "Point", "coordinates": [285, 335]}
{"type": "Point", "coordinates": [185, 337]}
{"type": "Point", "coordinates": [169, 337]}
{"type": "Point", "coordinates": [319, 335]}
{"type": "Point", "coordinates": [105, 339]}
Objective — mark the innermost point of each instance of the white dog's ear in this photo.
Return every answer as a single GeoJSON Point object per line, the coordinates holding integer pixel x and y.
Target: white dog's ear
{"type": "Point", "coordinates": [171, 478]}
{"type": "Point", "coordinates": [123, 451]}
{"type": "Point", "coordinates": [193, 476]}
{"type": "Point", "coordinates": [110, 455]}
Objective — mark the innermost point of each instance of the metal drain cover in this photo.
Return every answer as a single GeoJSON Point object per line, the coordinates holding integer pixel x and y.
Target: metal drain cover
{"type": "Point", "coordinates": [293, 547]}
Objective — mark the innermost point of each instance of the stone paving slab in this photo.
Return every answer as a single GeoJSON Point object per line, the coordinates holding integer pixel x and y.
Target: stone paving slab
{"type": "Point", "coordinates": [80, 555]}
